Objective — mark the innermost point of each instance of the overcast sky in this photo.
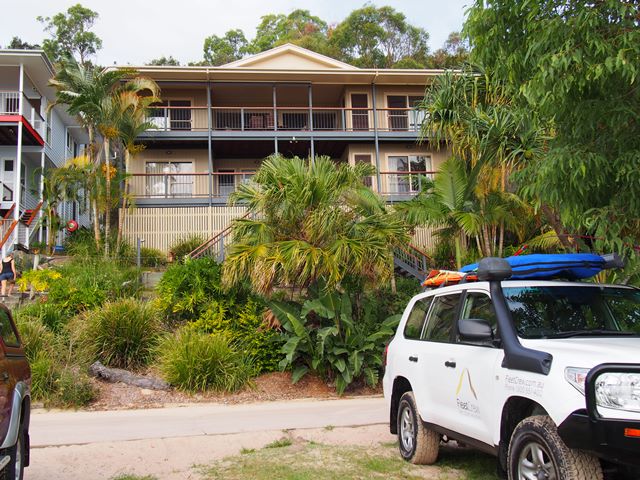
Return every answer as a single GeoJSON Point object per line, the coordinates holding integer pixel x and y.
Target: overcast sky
{"type": "Point", "coordinates": [135, 31]}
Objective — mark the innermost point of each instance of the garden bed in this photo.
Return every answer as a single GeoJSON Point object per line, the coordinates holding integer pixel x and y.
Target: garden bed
{"type": "Point", "coordinates": [268, 387]}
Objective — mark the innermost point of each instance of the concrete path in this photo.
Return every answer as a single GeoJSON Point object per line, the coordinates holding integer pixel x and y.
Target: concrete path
{"type": "Point", "coordinates": [78, 428]}
{"type": "Point", "coordinates": [172, 443]}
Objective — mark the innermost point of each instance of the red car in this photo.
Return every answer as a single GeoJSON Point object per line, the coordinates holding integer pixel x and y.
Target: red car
{"type": "Point", "coordinates": [15, 400]}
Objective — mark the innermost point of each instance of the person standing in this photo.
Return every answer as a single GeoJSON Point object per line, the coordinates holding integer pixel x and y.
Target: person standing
{"type": "Point", "coordinates": [8, 274]}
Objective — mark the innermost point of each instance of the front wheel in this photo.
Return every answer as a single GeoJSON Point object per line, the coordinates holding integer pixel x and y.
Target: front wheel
{"type": "Point", "coordinates": [418, 444]}
{"type": "Point", "coordinates": [536, 452]}
{"type": "Point", "coordinates": [14, 470]}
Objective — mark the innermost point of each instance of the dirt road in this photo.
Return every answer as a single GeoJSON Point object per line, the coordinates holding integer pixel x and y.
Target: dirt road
{"type": "Point", "coordinates": [169, 442]}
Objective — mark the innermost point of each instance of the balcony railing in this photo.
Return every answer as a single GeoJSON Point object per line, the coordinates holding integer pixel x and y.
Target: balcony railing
{"type": "Point", "coordinates": [394, 184]}
{"type": "Point", "coordinates": [186, 185]}
{"type": "Point", "coordinates": [10, 105]}
{"type": "Point", "coordinates": [270, 119]}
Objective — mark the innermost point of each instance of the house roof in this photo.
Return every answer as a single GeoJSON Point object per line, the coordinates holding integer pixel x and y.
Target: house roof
{"type": "Point", "coordinates": [284, 56]}
{"type": "Point", "coordinates": [289, 63]}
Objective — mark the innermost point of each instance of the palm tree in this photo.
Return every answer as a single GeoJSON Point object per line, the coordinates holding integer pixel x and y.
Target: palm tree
{"type": "Point", "coordinates": [132, 124]}
{"type": "Point", "coordinates": [314, 222]}
{"type": "Point", "coordinates": [118, 110]}
{"type": "Point", "coordinates": [462, 207]}
{"type": "Point", "coordinates": [83, 89]}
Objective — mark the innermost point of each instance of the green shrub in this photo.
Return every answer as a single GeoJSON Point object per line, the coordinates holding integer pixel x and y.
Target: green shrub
{"type": "Point", "coordinates": [185, 245]}
{"type": "Point", "coordinates": [88, 283]}
{"type": "Point", "coordinates": [246, 328]}
{"type": "Point", "coordinates": [43, 375]}
{"type": "Point", "coordinates": [49, 314]}
{"type": "Point", "coordinates": [54, 380]}
{"type": "Point", "coordinates": [152, 257]}
{"type": "Point", "coordinates": [73, 389]}
{"type": "Point", "coordinates": [185, 290]}
{"type": "Point", "coordinates": [121, 334]}
{"type": "Point", "coordinates": [81, 243]}
{"type": "Point", "coordinates": [196, 361]}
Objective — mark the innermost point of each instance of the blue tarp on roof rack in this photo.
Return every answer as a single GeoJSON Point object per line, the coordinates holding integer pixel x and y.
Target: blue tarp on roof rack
{"type": "Point", "coordinates": [572, 266]}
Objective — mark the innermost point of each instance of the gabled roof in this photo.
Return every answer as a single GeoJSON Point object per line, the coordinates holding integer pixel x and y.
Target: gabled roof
{"type": "Point", "coordinates": [289, 57]}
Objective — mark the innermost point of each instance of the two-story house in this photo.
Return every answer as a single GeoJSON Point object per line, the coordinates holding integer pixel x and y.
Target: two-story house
{"type": "Point", "coordinates": [217, 124]}
{"type": "Point", "coordinates": [33, 138]}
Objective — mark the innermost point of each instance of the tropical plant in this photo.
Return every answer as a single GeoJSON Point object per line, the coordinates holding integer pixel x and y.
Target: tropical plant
{"type": "Point", "coordinates": [312, 221]}
{"type": "Point", "coordinates": [196, 361]}
{"type": "Point", "coordinates": [323, 336]}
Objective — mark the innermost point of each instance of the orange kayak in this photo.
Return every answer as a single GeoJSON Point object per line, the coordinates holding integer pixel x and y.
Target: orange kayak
{"type": "Point", "coordinates": [439, 277]}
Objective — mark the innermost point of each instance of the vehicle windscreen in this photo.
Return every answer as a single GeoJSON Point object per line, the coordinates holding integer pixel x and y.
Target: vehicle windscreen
{"type": "Point", "coordinates": [571, 311]}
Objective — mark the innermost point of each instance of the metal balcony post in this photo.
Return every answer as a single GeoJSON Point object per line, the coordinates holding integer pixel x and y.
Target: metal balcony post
{"type": "Point", "coordinates": [209, 146]}
{"type": "Point", "coordinates": [375, 136]}
{"type": "Point", "coordinates": [242, 119]}
{"type": "Point", "coordinates": [313, 146]}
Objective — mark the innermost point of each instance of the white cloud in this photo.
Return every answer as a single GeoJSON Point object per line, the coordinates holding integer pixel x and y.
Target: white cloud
{"type": "Point", "coordinates": [135, 31]}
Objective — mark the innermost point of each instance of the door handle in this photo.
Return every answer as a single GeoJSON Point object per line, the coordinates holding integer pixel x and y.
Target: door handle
{"type": "Point", "coordinates": [449, 364]}
{"type": "Point", "coordinates": [413, 359]}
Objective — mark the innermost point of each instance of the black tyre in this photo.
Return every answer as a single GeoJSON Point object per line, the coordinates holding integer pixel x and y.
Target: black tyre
{"type": "Point", "coordinates": [536, 451]}
{"type": "Point", "coordinates": [17, 454]}
{"type": "Point", "coordinates": [418, 444]}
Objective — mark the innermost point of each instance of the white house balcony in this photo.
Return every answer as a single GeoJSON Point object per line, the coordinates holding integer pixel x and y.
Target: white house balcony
{"type": "Point", "coordinates": [12, 112]}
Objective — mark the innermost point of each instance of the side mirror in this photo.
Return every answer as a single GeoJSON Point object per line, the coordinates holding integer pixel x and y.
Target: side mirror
{"type": "Point", "coordinates": [475, 329]}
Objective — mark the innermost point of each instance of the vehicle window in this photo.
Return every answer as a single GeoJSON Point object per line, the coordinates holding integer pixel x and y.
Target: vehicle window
{"type": "Point", "coordinates": [555, 312]}
{"type": "Point", "coordinates": [413, 328]}
{"type": "Point", "coordinates": [6, 330]}
{"type": "Point", "coordinates": [478, 305]}
{"type": "Point", "coordinates": [441, 318]}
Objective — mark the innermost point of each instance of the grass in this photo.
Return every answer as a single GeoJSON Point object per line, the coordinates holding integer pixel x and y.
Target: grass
{"type": "Point", "coordinates": [313, 461]}
{"type": "Point", "coordinates": [134, 477]}
{"type": "Point", "coordinates": [282, 442]}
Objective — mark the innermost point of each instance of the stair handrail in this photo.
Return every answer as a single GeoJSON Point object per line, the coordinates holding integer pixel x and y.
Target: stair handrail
{"type": "Point", "coordinates": [8, 233]}
{"type": "Point", "coordinates": [200, 249]}
{"type": "Point", "coordinates": [8, 214]}
{"type": "Point", "coordinates": [420, 259]}
{"type": "Point", "coordinates": [34, 212]}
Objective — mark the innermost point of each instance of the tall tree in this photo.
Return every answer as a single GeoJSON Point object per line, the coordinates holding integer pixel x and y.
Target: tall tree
{"type": "Point", "coordinates": [164, 61]}
{"type": "Point", "coordinates": [70, 34]}
{"type": "Point", "coordinates": [379, 37]}
{"type": "Point", "coordinates": [220, 50]}
{"type": "Point", "coordinates": [18, 44]}
{"type": "Point", "coordinates": [453, 53]}
{"type": "Point", "coordinates": [299, 27]}
{"type": "Point", "coordinates": [576, 64]}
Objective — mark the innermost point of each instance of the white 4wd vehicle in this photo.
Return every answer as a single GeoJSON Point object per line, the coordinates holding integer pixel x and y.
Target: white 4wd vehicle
{"type": "Point", "coordinates": [543, 374]}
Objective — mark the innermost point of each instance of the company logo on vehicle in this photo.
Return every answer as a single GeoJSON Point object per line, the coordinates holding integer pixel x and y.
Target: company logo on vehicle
{"type": "Point", "coordinates": [466, 396]}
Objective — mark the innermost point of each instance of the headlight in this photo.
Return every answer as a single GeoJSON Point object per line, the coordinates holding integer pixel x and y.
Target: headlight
{"type": "Point", "coordinates": [576, 377]}
{"type": "Point", "coordinates": [618, 390]}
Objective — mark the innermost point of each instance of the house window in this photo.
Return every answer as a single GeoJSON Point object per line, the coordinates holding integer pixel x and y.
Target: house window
{"type": "Point", "coordinates": [366, 159]}
{"type": "Point", "coordinates": [171, 115]}
{"type": "Point", "coordinates": [49, 126]}
{"type": "Point", "coordinates": [360, 111]}
{"type": "Point", "coordinates": [412, 181]}
{"type": "Point", "coordinates": [169, 179]}
{"type": "Point", "coordinates": [226, 182]}
{"type": "Point", "coordinates": [71, 146]}
{"type": "Point", "coordinates": [247, 175]}
{"type": "Point", "coordinates": [404, 112]}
